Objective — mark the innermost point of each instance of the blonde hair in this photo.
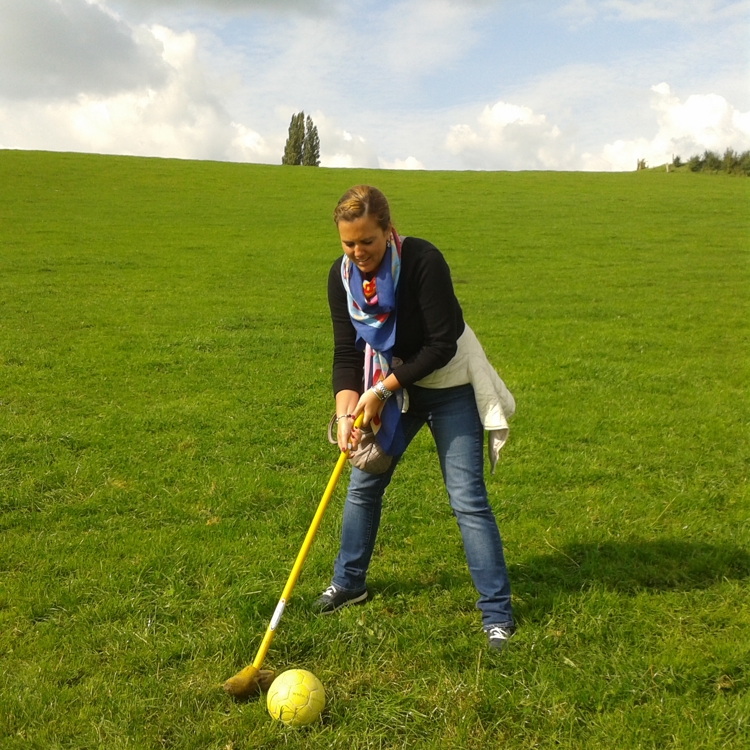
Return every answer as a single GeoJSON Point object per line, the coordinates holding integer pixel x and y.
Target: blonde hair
{"type": "Point", "coordinates": [363, 200]}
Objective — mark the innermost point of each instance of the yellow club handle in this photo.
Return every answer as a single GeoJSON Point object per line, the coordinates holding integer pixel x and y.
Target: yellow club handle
{"type": "Point", "coordinates": [294, 575]}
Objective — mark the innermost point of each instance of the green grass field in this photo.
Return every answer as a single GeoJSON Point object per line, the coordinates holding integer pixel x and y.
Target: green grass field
{"type": "Point", "coordinates": [164, 393]}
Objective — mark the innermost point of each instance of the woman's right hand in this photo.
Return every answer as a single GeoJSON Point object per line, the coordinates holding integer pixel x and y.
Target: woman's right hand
{"type": "Point", "coordinates": [346, 401]}
{"type": "Point", "coordinates": [347, 436]}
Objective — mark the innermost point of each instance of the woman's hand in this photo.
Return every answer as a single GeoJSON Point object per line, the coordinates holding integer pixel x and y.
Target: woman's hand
{"type": "Point", "coordinates": [345, 403]}
{"type": "Point", "coordinates": [349, 436]}
{"type": "Point", "coordinates": [370, 405]}
{"type": "Point", "coordinates": [345, 435]}
{"type": "Point", "coordinates": [349, 405]}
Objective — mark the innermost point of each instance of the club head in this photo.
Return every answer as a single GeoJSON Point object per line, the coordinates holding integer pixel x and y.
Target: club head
{"type": "Point", "coordinates": [249, 681]}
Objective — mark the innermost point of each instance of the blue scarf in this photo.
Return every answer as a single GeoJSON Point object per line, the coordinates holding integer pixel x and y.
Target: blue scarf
{"type": "Point", "coordinates": [372, 309]}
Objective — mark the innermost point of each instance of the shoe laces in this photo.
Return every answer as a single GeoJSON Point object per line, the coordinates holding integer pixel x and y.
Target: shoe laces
{"type": "Point", "coordinates": [498, 631]}
{"type": "Point", "coordinates": [330, 591]}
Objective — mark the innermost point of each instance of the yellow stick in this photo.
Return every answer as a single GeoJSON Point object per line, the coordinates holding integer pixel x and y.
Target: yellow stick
{"type": "Point", "coordinates": [294, 575]}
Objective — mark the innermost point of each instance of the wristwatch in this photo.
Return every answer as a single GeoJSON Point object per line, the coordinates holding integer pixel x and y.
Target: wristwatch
{"type": "Point", "coordinates": [381, 391]}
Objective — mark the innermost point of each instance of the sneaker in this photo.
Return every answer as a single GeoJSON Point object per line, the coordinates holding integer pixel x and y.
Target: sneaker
{"type": "Point", "coordinates": [499, 635]}
{"type": "Point", "coordinates": [334, 598]}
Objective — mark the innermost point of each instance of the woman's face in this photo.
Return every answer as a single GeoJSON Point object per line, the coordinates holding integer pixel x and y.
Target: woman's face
{"type": "Point", "coordinates": [364, 242]}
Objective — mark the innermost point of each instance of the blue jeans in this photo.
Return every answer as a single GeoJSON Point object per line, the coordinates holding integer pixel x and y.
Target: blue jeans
{"type": "Point", "coordinates": [452, 416]}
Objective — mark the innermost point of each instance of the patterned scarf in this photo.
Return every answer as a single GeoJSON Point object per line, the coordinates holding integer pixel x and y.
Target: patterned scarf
{"type": "Point", "coordinates": [372, 308]}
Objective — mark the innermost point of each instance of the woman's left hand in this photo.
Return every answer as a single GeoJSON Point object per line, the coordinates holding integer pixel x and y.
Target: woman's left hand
{"type": "Point", "coordinates": [370, 404]}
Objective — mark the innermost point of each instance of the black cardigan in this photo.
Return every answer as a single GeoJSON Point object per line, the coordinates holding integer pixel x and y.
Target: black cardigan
{"type": "Point", "coordinates": [428, 324]}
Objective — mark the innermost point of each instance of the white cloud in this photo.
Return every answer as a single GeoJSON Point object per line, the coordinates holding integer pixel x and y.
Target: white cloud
{"type": "Point", "coordinates": [148, 123]}
{"type": "Point", "coordinates": [578, 11]}
{"type": "Point", "coordinates": [233, 7]}
{"type": "Point", "coordinates": [409, 163]}
{"type": "Point", "coordinates": [403, 83]}
{"type": "Point", "coordinates": [510, 136]}
{"type": "Point", "coordinates": [58, 48]}
{"type": "Point", "coordinates": [420, 36]}
{"type": "Point", "coordinates": [250, 146]}
{"type": "Point", "coordinates": [178, 114]}
{"type": "Point", "coordinates": [701, 122]}
{"type": "Point", "coordinates": [682, 11]}
{"type": "Point", "coordinates": [340, 148]}
{"type": "Point", "coordinates": [180, 118]}
{"type": "Point", "coordinates": [691, 11]}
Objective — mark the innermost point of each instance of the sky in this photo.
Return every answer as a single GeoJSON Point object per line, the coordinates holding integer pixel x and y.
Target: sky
{"type": "Point", "coordinates": [392, 84]}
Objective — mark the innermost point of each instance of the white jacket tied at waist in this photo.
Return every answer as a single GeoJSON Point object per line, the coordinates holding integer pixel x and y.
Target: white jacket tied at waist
{"type": "Point", "coordinates": [494, 401]}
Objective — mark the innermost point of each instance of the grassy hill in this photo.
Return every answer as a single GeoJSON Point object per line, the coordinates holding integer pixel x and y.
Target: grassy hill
{"type": "Point", "coordinates": [164, 392]}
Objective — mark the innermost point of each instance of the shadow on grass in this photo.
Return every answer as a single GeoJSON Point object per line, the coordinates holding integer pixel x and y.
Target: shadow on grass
{"type": "Point", "coordinates": [627, 567]}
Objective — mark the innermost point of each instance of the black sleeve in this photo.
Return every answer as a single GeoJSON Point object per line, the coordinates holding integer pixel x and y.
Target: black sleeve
{"type": "Point", "coordinates": [348, 363]}
{"type": "Point", "coordinates": [434, 302]}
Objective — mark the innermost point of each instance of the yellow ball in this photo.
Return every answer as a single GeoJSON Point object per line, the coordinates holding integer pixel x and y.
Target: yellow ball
{"type": "Point", "coordinates": [296, 697]}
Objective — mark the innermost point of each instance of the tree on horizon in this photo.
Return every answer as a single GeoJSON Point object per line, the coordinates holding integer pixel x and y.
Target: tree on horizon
{"type": "Point", "coordinates": [311, 145]}
{"type": "Point", "coordinates": [295, 140]}
{"type": "Point", "coordinates": [303, 143]}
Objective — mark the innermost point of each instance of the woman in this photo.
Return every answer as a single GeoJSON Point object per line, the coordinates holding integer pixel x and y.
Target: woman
{"type": "Point", "coordinates": [403, 357]}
